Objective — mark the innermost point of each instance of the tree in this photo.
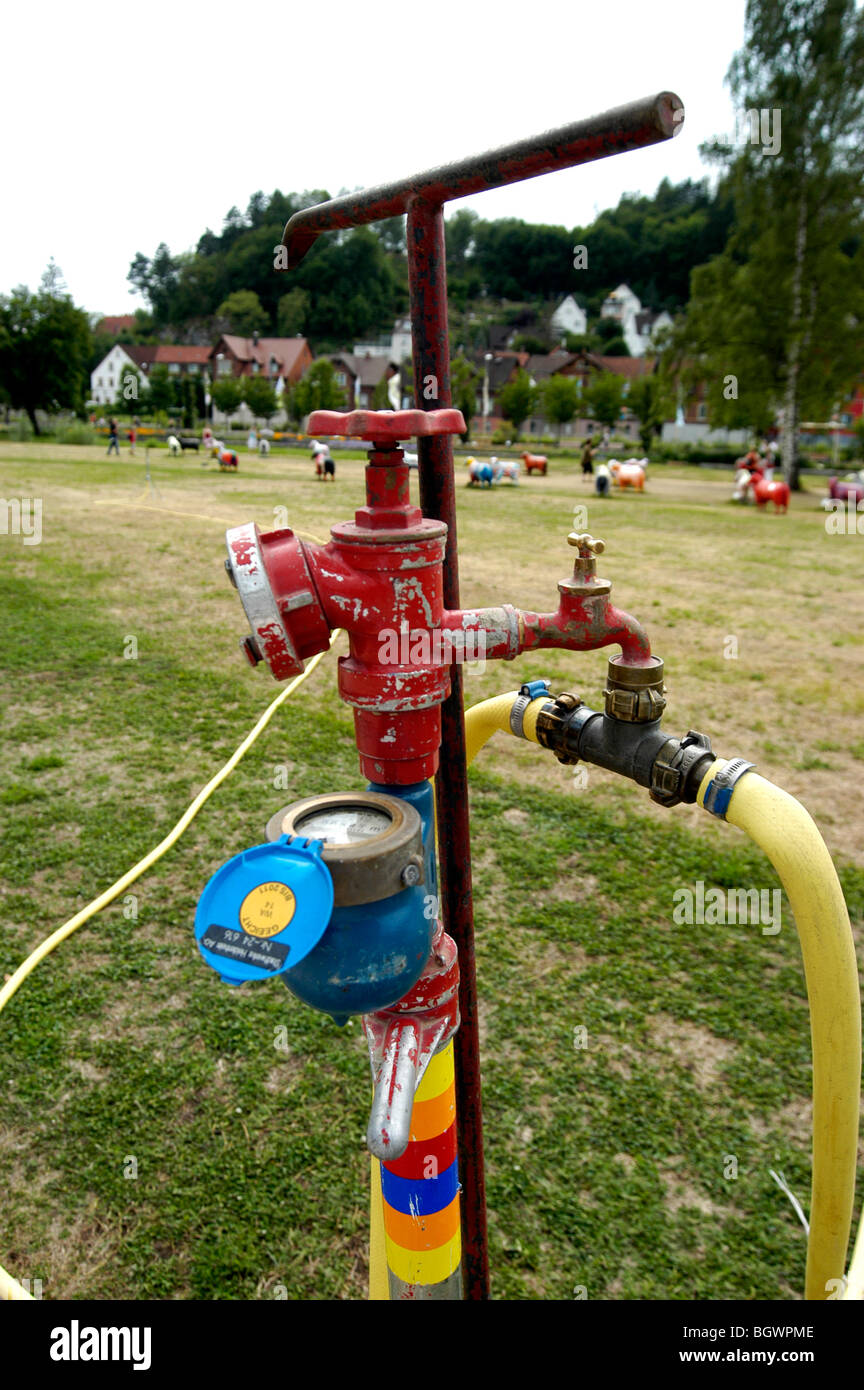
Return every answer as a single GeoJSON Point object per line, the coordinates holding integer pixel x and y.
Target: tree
{"type": "Point", "coordinates": [561, 400]}
{"type": "Point", "coordinates": [44, 349]}
{"type": "Point", "coordinates": [226, 394]}
{"type": "Point", "coordinates": [161, 387]}
{"type": "Point", "coordinates": [187, 401]}
{"type": "Point", "coordinates": [650, 401]}
{"type": "Point", "coordinates": [317, 390]}
{"type": "Point", "coordinates": [776, 322]}
{"type": "Point", "coordinates": [517, 400]}
{"type": "Point", "coordinates": [244, 312]}
{"type": "Point", "coordinates": [464, 383]}
{"type": "Point", "coordinates": [291, 315]}
{"type": "Point", "coordinates": [131, 392]}
{"type": "Point", "coordinates": [615, 347]}
{"type": "Point", "coordinates": [260, 397]}
{"type": "Point", "coordinates": [604, 397]}
{"type": "Point", "coordinates": [156, 281]}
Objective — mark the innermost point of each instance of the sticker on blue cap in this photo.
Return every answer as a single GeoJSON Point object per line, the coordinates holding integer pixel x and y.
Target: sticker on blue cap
{"type": "Point", "coordinates": [265, 910]}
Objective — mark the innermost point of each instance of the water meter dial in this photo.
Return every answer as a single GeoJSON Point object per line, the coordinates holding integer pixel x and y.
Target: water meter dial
{"type": "Point", "coordinates": [372, 843]}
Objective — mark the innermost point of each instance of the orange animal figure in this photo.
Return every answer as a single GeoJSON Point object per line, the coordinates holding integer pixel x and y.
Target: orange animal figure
{"type": "Point", "coordinates": [536, 463]}
{"type": "Point", "coordinates": [629, 474]}
{"type": "Point", "coordinates": [763, 492]}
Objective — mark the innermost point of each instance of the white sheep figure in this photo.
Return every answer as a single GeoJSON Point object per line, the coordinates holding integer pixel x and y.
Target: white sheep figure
{"type": "Point", "coordinates": [264, 447]}
{"type": "Point", "coordinates": [173, 444]}
{"type": "Point", "coordinates": [505, 468]}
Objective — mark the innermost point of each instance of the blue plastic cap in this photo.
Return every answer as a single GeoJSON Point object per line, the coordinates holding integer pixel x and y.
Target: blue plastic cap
{"type": "Point", "coordinates": [264, 910]}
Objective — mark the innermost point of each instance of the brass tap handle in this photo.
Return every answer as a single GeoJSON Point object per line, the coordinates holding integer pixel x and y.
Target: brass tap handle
{"type": "Point", "coordinates": [588, 546]}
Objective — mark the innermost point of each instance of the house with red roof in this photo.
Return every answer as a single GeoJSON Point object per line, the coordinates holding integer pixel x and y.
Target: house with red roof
{"type": "Point", "coordinates": [278, 359]}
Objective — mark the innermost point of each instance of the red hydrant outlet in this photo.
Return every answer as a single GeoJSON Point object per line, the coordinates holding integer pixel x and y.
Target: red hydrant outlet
{"type": "Point", "coordinates": [380, 578]}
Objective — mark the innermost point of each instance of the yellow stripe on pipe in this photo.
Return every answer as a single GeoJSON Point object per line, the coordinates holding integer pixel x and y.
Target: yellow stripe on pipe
{"type": "Point", "coordinates": [425, 1266]}
{"type": "Point", "coordinates": [379, 1284]}
{"type": "Point", "coordinates": [438, 1075]}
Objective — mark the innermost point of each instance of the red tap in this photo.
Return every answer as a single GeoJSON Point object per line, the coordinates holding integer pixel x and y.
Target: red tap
{"type": "Point", "coordinates": [380, 578]}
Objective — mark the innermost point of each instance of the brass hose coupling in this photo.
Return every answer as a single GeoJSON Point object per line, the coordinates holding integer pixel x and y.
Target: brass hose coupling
{"type": "Point", "coordinates": [635, 694]}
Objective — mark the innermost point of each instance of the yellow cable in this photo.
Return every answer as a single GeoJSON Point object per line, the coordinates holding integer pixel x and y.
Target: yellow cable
{"type": "Point", "coordinates": [9, 1287]}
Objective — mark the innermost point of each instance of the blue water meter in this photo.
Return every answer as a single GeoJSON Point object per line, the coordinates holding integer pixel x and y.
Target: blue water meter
{"type": "Point", "coordinates": [341, 903]}
{"type": "Point", "coordinates": [265, 910]}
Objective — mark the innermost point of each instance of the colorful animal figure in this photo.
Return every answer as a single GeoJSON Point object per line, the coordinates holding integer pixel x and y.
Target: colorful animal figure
{"type": "Point", "coordinates": [324, 465]}
{"type": "Point", "coordinates": [630, 473]}
{"type": "Point", "coordinates": [764, 492]}
{"type": "Point", "coordinates": [841, 489]}
{"type": "Point", "coordinates": [743, 478]}
{"type": "Point", "coordinates": [536, 463]}
{"type": "Point", "coordinates": [173, 444]}
{"type": "Point", "coordinates": [505, 468]}
{"type": "Point", "coordinates": [479, 474]}
{"type": "Point", "coordinates": [226, 457]}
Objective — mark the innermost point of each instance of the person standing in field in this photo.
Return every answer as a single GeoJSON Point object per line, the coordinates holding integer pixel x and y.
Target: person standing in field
{"type": "Point", "coordinates": [588, 457]}
{"type": "Point", "coordinates": [113, 441]}
{"type": "Point", "coordinates": [132, 436]}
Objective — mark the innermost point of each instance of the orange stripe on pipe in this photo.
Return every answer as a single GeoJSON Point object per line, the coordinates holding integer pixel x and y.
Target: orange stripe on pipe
{"type": "Point", "coordinates": [422, 1232]}
{"type": "Point", "coordinates": [432, 1117]}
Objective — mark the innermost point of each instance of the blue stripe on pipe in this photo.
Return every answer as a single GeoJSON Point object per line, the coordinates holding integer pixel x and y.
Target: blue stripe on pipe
{"type": "Point", "coordinates": [420, 1196]}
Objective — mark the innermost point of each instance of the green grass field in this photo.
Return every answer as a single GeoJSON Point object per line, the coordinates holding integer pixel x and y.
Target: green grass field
{"type": "Point", "coordinates": [609, 1166]}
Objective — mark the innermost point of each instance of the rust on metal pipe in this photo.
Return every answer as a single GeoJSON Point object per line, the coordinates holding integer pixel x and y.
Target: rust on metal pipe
{"type": "Point", "coordinates": [630, 127]}
{"type": "Point", "coordinates": [427, 276]}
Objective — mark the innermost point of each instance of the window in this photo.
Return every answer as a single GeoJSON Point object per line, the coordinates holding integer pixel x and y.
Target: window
{"type": "Point", "coordinates": [174, 367]}
{"type": "Point", "coordinates": [224, 367]}
{"type": "Point", "coordinates": [98, 381]}
{"type": "Point", "coordinates": [192, 368]}
{"type": "Point", "coordinates": [256, 367]}
{"type": "Point", "coordinates": [340, 378]}
{"type": "Point", "coordinates": [702, 411]}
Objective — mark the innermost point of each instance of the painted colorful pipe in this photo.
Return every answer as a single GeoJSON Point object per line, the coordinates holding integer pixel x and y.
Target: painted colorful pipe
{"type": "Point", "coordinates": [420, 1194]}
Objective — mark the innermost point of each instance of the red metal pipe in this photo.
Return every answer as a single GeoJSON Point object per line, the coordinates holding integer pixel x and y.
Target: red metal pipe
{"type": "Point", "coordinates": [629, 127]}
{"type": "Point", "coordinates": [427, 275]}
{"type": "Point", "coordinates": [506, 632]}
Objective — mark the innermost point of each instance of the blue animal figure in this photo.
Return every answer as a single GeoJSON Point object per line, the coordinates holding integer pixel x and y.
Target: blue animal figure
{"type": "Point", "coordinates": [479, 474]}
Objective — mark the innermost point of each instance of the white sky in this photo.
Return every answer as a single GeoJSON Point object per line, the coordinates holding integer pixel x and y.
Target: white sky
{"type": "Point", "coordinates": [127, 125]}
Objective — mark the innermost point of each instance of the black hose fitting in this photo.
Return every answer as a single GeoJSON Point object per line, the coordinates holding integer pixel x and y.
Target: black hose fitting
{"type": "Point", "coordinates": [670, 768]}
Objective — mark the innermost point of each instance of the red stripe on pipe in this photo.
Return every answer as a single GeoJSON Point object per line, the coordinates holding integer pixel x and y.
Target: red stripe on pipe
{"type": "Point", "coordinates": [426, 1158]}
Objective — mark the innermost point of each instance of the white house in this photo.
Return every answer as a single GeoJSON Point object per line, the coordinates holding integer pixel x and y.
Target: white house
{"type": "Point", "coordinates": [106, 380]}
{"type": "Point", "coordinates": [639, 326]}
{"type": "Point", "coordinates": [396, 348]}
{"type": "Point", "coordinates": [568, 318]}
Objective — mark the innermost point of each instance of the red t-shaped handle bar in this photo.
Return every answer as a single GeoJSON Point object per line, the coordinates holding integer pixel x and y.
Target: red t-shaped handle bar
{"type": "Point", "coordinates": [630, 127]}
{"type": "Point", "coordinates": [386, 426]}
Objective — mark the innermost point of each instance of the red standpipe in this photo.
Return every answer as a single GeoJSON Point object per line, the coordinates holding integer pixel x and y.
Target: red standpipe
{"type": "Point", "coordinates": [634, 126]}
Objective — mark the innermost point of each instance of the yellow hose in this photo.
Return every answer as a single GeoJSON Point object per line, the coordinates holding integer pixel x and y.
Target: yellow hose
{"type": "Point", "coordinates": [9, 1287]}
{"type": "Point", "coordinates": [781, 827]}
{"type": "Point", "coordinates": [855, 1278]}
